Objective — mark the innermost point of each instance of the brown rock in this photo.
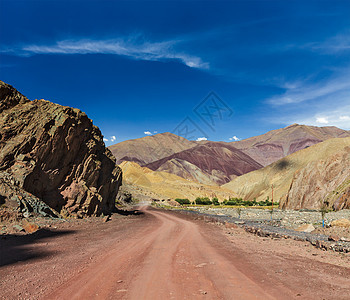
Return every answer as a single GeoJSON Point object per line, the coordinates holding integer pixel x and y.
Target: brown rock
{"type": "Point", "coordinates": [341, 223]}
{"type": "Point", "coordinates": [30, 227]}
{"type": "Point", "coordinates": [106, 219]}
{"type": "Point", "coordinates": [333, 238]}
{"type": "Point", "coordinates": [306, 228]}
{"type": "Point", "coordinates": [55, 155]}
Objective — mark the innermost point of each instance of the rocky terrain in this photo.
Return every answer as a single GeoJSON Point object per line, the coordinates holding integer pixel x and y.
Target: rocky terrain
{"type": "Point", "coordinates": [53, 159]}
{"type": "Point", "coordinates": [309, 178]}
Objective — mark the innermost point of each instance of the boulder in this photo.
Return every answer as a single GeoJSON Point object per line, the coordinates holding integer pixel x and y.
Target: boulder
{"type": "Point", "coordinates": [29, 227]}
{"type": "Point", "coordinates": [305, 228]}
{"type": "Point", "coordinates": [341, 223]}
{"type": "Point", "coordinates": [52, 158]}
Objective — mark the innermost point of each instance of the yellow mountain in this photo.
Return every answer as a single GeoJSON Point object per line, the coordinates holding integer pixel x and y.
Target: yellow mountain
{"type": "Point", "coordinates": [148, 184]}
{"type": "Point", "coordinates": [302, 179]}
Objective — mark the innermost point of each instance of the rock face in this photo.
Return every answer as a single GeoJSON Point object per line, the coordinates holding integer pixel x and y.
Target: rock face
{"type": "Point", "coordinates": [327, 180]}
{"type": "Point", "coordinates": [55, 155]}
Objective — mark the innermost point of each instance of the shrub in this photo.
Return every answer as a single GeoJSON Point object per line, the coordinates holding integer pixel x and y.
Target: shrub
{"type": "Point", "coordinates": [183, 201]}
{"type": "Point", "coordinates": [215, 201]}
{"type": "Point", "coordinates": [203, 201]}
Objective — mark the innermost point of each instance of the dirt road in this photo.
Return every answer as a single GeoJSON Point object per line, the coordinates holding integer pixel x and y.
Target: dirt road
{"type": "Point", "coordinates": [160, 255]}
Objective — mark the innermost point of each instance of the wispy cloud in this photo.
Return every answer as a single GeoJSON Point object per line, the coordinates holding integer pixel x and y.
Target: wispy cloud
{"type": "Point", "coordinates": [337, 44]}
{"type": "Point", "coordinates": [300, 92]}
{"type": "Point", "coordinates": [334, 117]}
{"type": "Point", "coordinates": [201, 139]}
{"type": "Point", "coordinates": [113, 138]}
{"type": "Point", "coordinates": [147, 133]}
{"type": "Point", "coordinates": [133, 47]}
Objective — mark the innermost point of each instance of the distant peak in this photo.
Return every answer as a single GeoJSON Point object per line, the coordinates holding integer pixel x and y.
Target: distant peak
{"type": "Point", "coordinates": [293, 125]}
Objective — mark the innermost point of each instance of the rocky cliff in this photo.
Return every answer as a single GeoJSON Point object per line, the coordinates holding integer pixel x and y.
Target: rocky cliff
{"type": "Point", "coordinates": [54, 155]}
{"type": "Point", "coordinates": [322, 183]}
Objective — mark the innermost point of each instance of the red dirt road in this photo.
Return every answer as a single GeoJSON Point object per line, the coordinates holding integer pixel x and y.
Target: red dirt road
{"type": "Point", "coordinates": [160, 255]}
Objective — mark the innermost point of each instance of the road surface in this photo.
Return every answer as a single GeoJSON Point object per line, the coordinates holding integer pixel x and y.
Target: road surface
{"type": "Point", "coordinates": [159, 255]}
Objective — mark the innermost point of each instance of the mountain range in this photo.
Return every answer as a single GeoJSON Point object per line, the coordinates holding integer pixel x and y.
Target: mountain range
{"type": "Point", "coordinates": [220, 162]}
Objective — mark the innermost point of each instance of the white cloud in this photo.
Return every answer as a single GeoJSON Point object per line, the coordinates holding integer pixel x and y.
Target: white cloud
{"type": "Point", "coordinates": [322, 120]}
{"type": "Point", "coordinates": [148, 133]}
{"type": "Point", "coordinates": [234, 138]}
{"type": "Point", "coordinates": [336, 44]}
{"type": "Point", "coordinates": [305, 92]}
{"type": "Point", "coordinates": [105, 140]}
{"type": "Point", "coordinates": [134, 47]}
{"type": "Point", "coordinates": [113, 138]}
{"type": "Point", "coordinates": [328, 117]}
{"type": "Point", "coordinates": [155, 131]}
{"type": "Point", "coordinates": [201, 139]}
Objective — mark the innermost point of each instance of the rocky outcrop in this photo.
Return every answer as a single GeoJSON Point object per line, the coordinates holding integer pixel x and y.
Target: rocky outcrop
{"type": "Point", "coordinates": [322, 183]}
{"type": "Point", "coordinates": [56, 155]}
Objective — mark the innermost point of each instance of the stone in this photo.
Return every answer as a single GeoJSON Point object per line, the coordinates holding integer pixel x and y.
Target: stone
{"type": "Point", "coordinates": [340, 223]}
{"type": "Point", "coordinates": [18, 227]}
{"type": "Point", "coordinates": [333, 238]}
{"type": "Point", "coordinates": [53, 159]}
{"type": "Point", "coordinates": [30, 227]}
{"type": "Point", "coordinates": [106, 219]}
{"type": "Point", "coordinates": [305, 228]}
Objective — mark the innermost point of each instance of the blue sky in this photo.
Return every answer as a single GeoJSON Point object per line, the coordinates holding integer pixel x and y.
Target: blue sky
{"type": "Point", "coordinates": [138, 68]}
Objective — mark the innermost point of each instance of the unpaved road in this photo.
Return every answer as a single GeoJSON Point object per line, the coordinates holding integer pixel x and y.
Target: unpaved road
{"type": "Point", "coordinates": [158, 255]}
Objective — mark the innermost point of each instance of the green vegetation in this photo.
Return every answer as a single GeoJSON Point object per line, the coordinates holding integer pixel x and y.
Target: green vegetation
{"type": "Point", "coordinates": [241, 202]}
{"type": "Point", "coordinates": [231, 202]}
{"type": "Point", "coordinates": [203, 201]}
{"type": "Point", "coordinates": [216, 201]}
{"type": "Point", "coordinates": [183, 201]}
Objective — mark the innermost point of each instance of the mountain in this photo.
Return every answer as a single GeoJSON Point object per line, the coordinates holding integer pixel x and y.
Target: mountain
{"type": "Point", "coordinates": [305, 179]}
{"type": "Point", "coordinates": [207, 163]}
{"type": "Point", "coordinates": [146, 184]}
{"type": "Point", "coordinates": [52, 158]}
{"type": "Point", "coordinates": [276, 144]}
{"type": "Point", "coordinates": [150, 148]}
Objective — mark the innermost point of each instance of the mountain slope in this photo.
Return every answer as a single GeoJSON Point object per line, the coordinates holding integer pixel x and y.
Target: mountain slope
{"type": "Point", "coordinates": [53, 155]}
{"type": "Point", "coordinates": [212, 161]}
{"type": "Point", "coordinates": [146, 184]}
{"type": "Point", "coordinates": [276, 144]}
{"type": "Point", "coordinates": [150, 148]}
{"type": "Point", "coordinates": [304, 179]}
